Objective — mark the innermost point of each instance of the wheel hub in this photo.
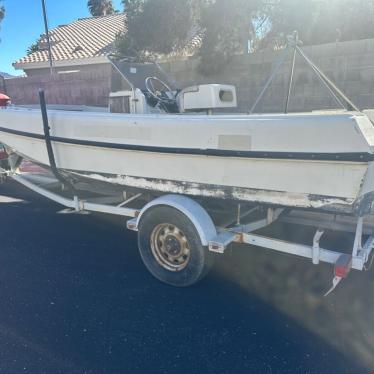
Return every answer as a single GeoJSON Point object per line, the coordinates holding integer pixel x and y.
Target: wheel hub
{"type": "Point", "coordinates": [170, 247]}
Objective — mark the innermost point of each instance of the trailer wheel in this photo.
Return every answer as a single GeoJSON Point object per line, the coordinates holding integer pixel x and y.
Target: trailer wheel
{"type": "Point", "coordinates": [171, 248]}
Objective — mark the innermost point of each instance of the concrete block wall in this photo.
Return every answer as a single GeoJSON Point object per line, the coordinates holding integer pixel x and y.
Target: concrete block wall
{"type": "Point", "coordinates": [349, 64]}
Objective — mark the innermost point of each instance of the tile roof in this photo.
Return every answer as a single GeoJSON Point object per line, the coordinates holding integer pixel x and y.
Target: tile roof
{"type": "Point", "coordinates": [84, 38]}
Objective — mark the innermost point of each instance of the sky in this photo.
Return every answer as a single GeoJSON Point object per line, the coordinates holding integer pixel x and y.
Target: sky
{"type": "Point", "coordinates": [23, 24]}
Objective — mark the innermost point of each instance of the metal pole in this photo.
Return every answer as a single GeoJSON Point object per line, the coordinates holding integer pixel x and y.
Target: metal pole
{"type": "Point", "coordinates": [47, 36]}
{"type": "Point", "coordinates": [332, 87]}
{"type": "Point", "coordinates": [133, 101]}
{"type": "Point", "coordinates": [328, 81]}
{"type": "Point", "coordinates": [322, 80]}
{"type": "Point", "coordinates": [48, 142]}
{"type": "Point", "coordinates": [270, 79]}
{"type": "Point", "coordinates": [290, 81]}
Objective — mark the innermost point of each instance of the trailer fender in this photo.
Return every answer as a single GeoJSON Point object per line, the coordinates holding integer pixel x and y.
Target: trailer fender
{"type": "Point", "coordinates": [189, 207]}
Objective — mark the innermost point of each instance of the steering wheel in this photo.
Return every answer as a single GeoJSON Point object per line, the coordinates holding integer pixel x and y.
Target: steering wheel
{"type": "Point", "coordinates": [156, 94]}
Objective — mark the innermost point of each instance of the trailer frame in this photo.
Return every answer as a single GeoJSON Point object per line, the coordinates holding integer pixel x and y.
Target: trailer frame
{"type": "Point", "coordinates": [218, 238]}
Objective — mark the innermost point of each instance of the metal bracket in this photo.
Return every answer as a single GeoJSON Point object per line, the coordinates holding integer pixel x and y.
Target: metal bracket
{"type": "Point", "coordinates": [132, 224]}
{"type": "Point", "coordinates": [316, 248]}
{"type": "Point", "coordinates": [357, 246]}
{"type": "Point", "coordinates": [221, 241]}
{"type": "Point", "coordinates": [368, 248]}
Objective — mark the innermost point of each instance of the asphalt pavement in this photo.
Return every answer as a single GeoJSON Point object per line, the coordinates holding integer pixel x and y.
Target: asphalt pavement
{"type": "Point", "coordinates": [76, 298]}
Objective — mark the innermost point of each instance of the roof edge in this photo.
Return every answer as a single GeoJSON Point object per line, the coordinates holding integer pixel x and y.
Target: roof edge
{"type": "Point", "coordinates": [61, 63]}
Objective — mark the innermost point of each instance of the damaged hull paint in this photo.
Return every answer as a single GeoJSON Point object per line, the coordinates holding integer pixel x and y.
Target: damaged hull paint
{"type": "Point", "coordinates": [223, 192]}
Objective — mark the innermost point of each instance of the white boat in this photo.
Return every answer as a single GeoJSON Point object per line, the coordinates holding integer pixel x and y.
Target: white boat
{"type": "Point", "coordinates": [158, 140]}
{"type": "Point", "coordinates": [314, 160]}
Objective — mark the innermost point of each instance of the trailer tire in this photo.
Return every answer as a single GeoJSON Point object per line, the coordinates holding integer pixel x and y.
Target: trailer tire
{"type": "Point", "coordinates": [171, 248]}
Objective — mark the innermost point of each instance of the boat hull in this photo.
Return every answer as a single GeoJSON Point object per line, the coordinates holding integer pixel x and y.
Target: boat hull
{"type": "Point", "coordinates": [320, 180]}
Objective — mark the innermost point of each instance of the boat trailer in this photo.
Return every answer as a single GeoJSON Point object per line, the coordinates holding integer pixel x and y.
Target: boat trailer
{"type": "Point", "coordinates": [217, 238]}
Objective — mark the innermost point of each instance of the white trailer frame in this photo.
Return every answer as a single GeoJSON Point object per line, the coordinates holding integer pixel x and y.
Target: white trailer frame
{"type": "Point", "coordinates": [217, 239]}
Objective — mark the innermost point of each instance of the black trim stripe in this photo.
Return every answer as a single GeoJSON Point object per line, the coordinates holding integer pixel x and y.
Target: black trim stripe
{"type": "Point", "coordinates": [350, 157]}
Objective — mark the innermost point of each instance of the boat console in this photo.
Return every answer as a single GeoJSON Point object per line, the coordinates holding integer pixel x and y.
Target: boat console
{"type": "Point", "coordinates": [148, 90]}
{"type": "Point", "coordinates": [207, 97]}
{"type": "Point", "coordinates": [200, 98]}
